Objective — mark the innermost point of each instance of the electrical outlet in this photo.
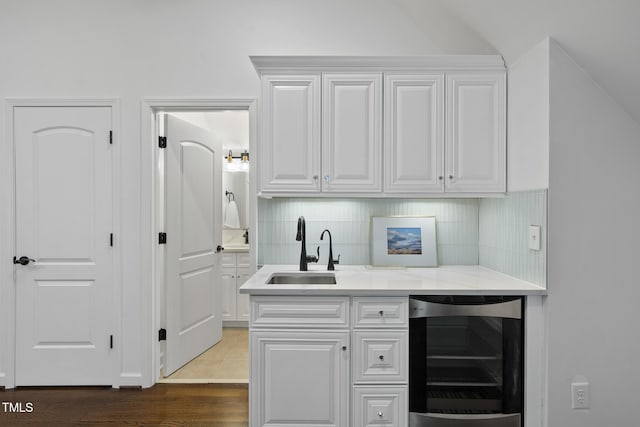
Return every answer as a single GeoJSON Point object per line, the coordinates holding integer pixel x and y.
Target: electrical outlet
{"type": "Point", "coordinates": [534, 237]}
{"type": "Point", "coordinates": [580, 395]}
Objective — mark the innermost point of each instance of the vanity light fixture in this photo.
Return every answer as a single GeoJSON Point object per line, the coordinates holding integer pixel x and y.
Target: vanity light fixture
{"type": "Point", "coordinates": [236, 163]}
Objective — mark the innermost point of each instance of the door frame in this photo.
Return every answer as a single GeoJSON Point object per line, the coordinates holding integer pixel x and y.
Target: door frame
{"type": "Point", "coordinates": [8, 283]}
{"type": "Point", "coordinates": [151, 274]}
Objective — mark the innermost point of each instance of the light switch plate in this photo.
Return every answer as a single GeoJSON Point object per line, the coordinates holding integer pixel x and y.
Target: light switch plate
{"type": "Point", "coordinates": [534, 237]}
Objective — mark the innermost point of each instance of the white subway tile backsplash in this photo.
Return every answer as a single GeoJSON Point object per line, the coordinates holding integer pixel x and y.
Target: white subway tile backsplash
{"type": "Point", "coordinates": [490, 232]}
{"type": "Point", "coordinates": [349, 223]}
{"type": "Point", "coordinates": [503, 239]}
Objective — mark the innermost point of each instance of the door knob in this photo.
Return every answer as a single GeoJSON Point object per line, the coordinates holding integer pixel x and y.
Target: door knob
{"type": "Point", "coordinates": [23, 260]}
{"type": "Point", "coordinates": [219, 249]}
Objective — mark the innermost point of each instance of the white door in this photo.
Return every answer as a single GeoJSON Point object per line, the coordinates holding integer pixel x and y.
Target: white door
{"type": "Point", "coordinates": [64, 223]}
{"type": "Point", "coordinates": [351, 132]}
{"type": "Point", "coordinates": [476, 132]}
{"type": "Point", "coordinates": [414, 133]}
{"type": "Point", "coordinates": [193, 212]}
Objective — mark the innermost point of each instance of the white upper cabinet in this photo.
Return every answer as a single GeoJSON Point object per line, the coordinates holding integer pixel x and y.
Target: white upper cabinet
{"type": "Point", "coordinates": [327, 130]}
{"type": "Point", "coordinates": [290, 145]}
{"type": "Point", "coordinates": [476, 132]}
{"type": "Point", "coordinates": [351, 132]}
{"type": "Point", "coordinates": [414, 133]}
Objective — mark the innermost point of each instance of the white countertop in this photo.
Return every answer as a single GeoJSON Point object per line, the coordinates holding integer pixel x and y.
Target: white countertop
{"type": "Point", "coordinates": [366, 280]}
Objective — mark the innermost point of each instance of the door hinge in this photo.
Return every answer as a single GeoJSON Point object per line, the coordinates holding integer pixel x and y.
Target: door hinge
{"type": "Point", "coordinates": [111, 239]}
{"type": "Point", "coordinates": [110, 341]}
{"type": "Point", "coordinates": [162, 238]}
{"type": "Point", "coordinates": [162, 334]}
{"type": "Point", "coordinates": [162, 142]}
{"type": "Point", "coordinates": [110, 137]}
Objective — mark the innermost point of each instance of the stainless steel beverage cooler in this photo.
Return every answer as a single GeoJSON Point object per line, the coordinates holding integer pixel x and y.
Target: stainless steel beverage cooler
{"type": "Point", "coordinates": [466, 361]}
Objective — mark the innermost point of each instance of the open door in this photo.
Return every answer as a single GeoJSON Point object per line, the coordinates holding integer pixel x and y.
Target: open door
{"type": "Point", "coordinates": [193, 235]}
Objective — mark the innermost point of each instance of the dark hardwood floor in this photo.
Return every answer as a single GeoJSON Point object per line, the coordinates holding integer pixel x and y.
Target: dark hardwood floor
{"type": "Point", "coordinates": [215, 405]}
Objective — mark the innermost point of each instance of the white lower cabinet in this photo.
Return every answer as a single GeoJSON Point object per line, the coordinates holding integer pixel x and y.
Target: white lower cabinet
{"type": "Point", "coordinates": [299, 378]}
{"type": "Point", "coordinates": [234, 272]}
{"type": "Point", "coordinates": [310, 366]}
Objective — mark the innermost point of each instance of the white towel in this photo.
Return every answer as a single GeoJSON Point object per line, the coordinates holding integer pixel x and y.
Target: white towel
{"type": "Point", "coordinates": [231, 216]}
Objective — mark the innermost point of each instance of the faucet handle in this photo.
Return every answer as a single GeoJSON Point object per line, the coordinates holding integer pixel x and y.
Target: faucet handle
{"type": "Point", "coordinates": [314, 258]}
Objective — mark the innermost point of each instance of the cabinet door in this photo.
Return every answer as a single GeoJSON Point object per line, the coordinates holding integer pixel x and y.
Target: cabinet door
{"type": "Point", "coordinates": [290, 146]}
{"type": "Point", "coordinates": [414, 133]}
{"type": "Point", "coordinates": [351, 132]}
{"type": "Point", "coordinates": [242, 300]}
{"type": "Point", "coordinates": [476, 132]}
{"type": "Point", "coordinates": [299, 379]}
{"type": "Point", "coordinates": [228, 284]}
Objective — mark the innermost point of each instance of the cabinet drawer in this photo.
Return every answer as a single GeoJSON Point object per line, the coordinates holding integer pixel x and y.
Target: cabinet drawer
{"type": "Point", "coordinates": [378, 312]}
{"type": "Point", "coordinates": [380, 356]}
{"type": "Point", "coordinates": [242, 259]}
{"type": "Point", "coordinates": [228, 259]}
{"type": "Point", "coordinates": [300, 312]}
{"type": "Point", "coordinates": [380, 406]}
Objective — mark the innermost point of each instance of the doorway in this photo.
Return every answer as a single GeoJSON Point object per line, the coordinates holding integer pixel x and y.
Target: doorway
{"type": "Point", "coordinates": [229, 125]}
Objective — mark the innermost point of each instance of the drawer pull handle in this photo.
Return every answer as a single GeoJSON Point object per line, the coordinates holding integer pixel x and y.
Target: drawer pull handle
{"type": "Point", "coordinates": [381, 313]}
{"type": "Point", "coordinates": [381, 414]}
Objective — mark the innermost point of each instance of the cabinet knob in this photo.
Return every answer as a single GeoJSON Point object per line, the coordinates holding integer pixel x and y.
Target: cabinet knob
{"type": "Point", "coordinates": [381, 357]}
{"type": "Point", "coordinates": [440, 178]}
{"type": "Point", "coordinates": [381, 313]}
{"type": "Point", "coordinates": [344, 348]}
{"type": "Point", "coordinates": [380, 414]}
{"type": "Point", "coordinates": [327, 178]}
{"type": "Point", "coordinates": [315, 178]}
{"type": "Point", "coordinates": [450, 176]}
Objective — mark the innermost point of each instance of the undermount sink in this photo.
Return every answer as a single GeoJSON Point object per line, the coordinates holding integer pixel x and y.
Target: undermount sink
{"type": "Point", "coordinates": [292, 278]}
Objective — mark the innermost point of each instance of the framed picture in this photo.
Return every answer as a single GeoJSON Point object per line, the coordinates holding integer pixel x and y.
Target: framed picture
{"type": "Point", "coordinates": [404, 241]}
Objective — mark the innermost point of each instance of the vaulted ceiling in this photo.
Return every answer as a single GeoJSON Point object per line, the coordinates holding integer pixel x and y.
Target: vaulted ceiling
{"type": "Point", "coordinates": [602, 36]}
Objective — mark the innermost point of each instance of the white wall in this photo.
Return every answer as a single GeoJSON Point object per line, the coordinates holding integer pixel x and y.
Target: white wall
{"type": "Point", "coordinates": [164, 48]}
{"type": "Point", "coordinates": [528, 120]}
{"type": "Point", "coordinates": [594, 291]}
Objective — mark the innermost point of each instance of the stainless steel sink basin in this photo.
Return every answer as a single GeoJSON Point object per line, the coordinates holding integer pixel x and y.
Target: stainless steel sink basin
{"type": "Point", "coordinates": [293, 278]}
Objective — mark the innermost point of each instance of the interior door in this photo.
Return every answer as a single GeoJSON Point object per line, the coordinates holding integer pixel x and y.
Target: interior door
{"type": "Point", "coordinates": [64, 286]}
{"type": "Point", "coordinates": [193, 212]}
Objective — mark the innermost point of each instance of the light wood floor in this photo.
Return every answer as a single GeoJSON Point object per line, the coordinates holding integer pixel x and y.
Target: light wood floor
{"type": "Point", "coordinates": [225, 362]}
{"type": "Point", "coordinates": [212, 405]}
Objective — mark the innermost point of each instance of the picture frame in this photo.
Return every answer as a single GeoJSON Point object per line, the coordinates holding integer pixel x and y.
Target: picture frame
{"type": "Point", "coordinates": [404, 241]}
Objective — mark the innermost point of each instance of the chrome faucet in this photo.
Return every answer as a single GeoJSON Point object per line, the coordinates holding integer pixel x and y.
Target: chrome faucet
{"type": "Point", "coordinates": [330, 265]}
{"type": "Point", "coordinates": [301, 236]}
